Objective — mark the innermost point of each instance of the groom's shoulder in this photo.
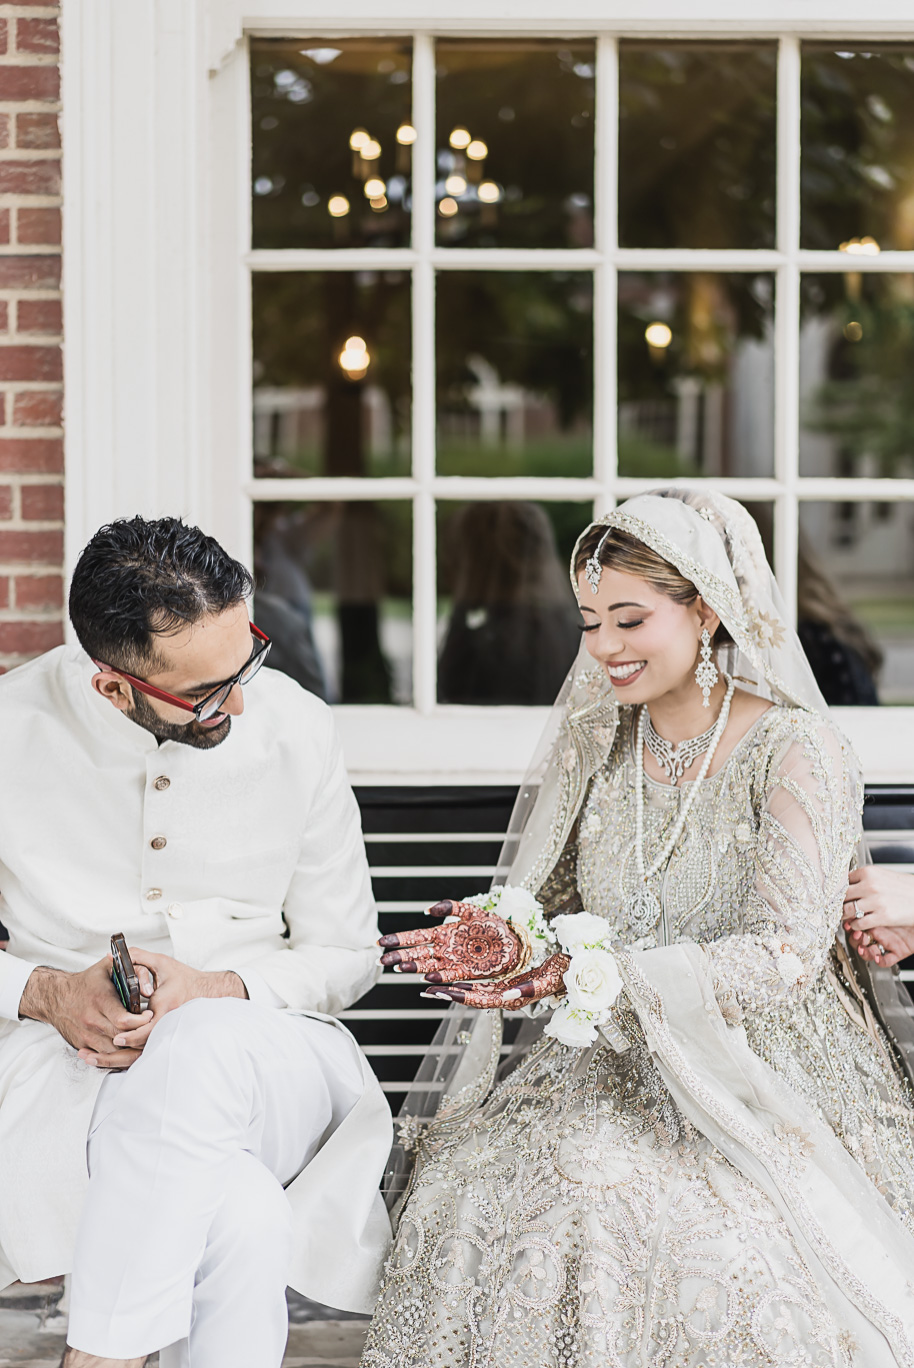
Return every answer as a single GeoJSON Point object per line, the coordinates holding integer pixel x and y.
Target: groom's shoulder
{"type": "Point", "coordinates": [34, 686]}
{"type": "Point", "coordinates": [289, 710]}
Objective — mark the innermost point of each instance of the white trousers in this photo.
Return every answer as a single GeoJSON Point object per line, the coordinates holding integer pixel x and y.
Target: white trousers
{"type": "Point", "coordinates": [186, 1232]}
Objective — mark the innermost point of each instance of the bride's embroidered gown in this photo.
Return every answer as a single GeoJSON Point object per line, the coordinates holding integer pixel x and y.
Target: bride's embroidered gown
{"type": "Point", "coordinates": [578, 1218]}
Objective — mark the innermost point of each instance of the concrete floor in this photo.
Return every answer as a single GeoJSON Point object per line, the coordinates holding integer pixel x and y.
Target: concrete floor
{"type": "Point", "coordinates": [33, 1333]}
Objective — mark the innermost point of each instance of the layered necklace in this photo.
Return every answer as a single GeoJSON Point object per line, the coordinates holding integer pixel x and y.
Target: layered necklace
{"type": "Point", "coordinates": [645, 909]}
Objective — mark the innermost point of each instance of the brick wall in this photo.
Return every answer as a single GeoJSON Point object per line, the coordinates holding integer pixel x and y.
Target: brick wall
{"type": "Point", "coordinates": [31, 389]}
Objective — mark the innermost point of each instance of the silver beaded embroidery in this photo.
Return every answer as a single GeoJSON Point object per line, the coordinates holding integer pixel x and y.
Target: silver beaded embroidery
{"type": "Point", "coordinates": [575, 1218]}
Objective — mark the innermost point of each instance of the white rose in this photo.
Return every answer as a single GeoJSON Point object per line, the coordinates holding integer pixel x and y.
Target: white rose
{"type": "Point", "coordinates": [570, 1027]}
{"type": "Point", "coordinates": [516, 904]}
{"type": "Point", "coordinates": [577, 930]}
{"type": "Point", "coordinates": [592, 981]}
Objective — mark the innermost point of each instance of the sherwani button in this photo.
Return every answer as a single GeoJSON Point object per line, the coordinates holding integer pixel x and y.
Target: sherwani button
{"type": "Point", "coordinates": [152, 894]}
{"type": "Point", "coordinates": [158, 843]}
{"type": "Point", "coordinates": [163, 782]}
{"type": "Point", "coordinates": [175, 910]}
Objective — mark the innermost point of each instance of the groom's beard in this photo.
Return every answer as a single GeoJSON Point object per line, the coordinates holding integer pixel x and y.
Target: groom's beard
{"type": "Point", "coordinates": [191, 734]}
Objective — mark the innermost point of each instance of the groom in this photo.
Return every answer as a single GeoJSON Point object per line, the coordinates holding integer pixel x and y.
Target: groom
{"type": "Point", "coordinates": [188, 1160]}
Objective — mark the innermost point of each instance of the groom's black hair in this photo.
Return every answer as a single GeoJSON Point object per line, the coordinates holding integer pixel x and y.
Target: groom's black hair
{"type": "Point", "coordinates": [138, 580]}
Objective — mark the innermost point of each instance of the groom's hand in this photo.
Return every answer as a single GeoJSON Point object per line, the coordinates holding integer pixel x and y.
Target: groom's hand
{"type": "Point", "coordinates": [471, 944]}
{"type": "Point", "coordinates": [174, 984]}
{"type": "Point", "coordinates": [85, 1009]}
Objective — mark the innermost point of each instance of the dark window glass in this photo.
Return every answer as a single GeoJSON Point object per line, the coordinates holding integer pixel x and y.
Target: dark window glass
{"type": "Point", "coordinates": [856, 364]}
{"type": "Point", "coordinates": [515, 373]}
{"type": "Point", "coordinates": [856, 600]}
{"type": "Point", "coordinates": [696, 374]}
{"type": "Point", "coordinates": [331, 142]}
{"type": "Point", "coordinates": [334, 592]}
{"type": "Point", "coordinates": [857, 145]}
{"type": "Point", "coordinates": [515, 143]}
{"type": "Point", "coordinates": [697, 140]}
{"type": "Point", "coordinates": [507, 617]}
{"type": "Point", "coordinates": [331, 373]}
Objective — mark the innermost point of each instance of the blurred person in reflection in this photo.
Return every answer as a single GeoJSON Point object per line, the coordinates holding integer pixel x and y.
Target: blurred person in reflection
{"type": "Point", "coordinates": [512, 633]}
{"type": "Point", "coordinates": [842, 653]}
{"type": "Point", "coordinates": [189, 1160]}
{"type": "Point", "coordinates": [284, 597]}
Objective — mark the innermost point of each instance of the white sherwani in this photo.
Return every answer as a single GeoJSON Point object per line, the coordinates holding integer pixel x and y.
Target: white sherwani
{"type": "Point", "coordinates": [211, 856]}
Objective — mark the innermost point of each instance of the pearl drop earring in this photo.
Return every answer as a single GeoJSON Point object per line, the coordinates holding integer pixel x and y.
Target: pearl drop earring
{"type": "Point", "coordinates": [707, 673]}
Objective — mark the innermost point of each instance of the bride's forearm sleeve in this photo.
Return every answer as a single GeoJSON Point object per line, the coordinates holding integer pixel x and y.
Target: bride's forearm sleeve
{"type": "Point", "coordinates": [809, 808]}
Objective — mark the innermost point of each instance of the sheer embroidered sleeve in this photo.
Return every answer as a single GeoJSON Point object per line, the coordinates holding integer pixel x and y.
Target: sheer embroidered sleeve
{"type": "Point", "coordinates": [809, 810]}
{"type": "Point", "coordinates": [560, 894]}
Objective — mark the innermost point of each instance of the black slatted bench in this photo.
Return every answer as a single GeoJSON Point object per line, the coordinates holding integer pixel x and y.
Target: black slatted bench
{"type": "Point", "coordinates": [427, 843]}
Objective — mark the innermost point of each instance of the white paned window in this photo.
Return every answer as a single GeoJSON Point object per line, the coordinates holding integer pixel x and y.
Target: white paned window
{"type": "Point", "coordinates": [498, 285]}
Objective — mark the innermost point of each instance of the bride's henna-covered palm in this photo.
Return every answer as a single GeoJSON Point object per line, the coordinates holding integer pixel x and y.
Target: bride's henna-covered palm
{"type": "Point", "coordinates": [520, 991]}
{"type": "Point", "coordinates": [471, 944]}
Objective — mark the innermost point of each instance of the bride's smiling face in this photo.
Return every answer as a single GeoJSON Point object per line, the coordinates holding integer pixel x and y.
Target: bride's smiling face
{"type": "Point", "coordinates": [646, 642]}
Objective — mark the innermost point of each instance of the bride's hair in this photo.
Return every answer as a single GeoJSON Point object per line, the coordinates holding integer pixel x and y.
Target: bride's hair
{"type": "Point", "coordinates": [625, 553]}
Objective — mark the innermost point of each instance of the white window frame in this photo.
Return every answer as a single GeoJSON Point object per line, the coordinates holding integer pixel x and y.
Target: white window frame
{"type": "Point", "coordinates": [159, 384]}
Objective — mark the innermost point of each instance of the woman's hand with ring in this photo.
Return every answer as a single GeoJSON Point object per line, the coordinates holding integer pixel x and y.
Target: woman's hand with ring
{"type": "Point", "coordinates": [886, 945]}
{"type": "Point", "coordinates": [471, 944]}
{"type": "Point", "coordinates": [878, 896]}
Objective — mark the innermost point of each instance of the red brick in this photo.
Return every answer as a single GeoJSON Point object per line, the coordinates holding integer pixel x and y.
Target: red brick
{"type": "Point", "coordinates": [37, 408]}
{"type": "Point", "coordinates": [31, 548]}
{"type": "Point", "coordinates": [37, 35]}
{"type": "Point", "coordinates": [29, 177]}
{"type": "Point", "coordinates": [39, 315]}
{"type": "Point", "coordinates": [38, 225]}
{"type": "Point", "coordinates": [30, 363]}
{"type": "Point", "coordinates": [31, 455]}
{"type": "Point", "coordinates": [42, 503]}
{"type": "Point", "coordinates": [29, 638]}
{"type": "Point", "coordinates": [37, 131]}
{"type": "Point", "coordinates": [4, 130]}
{"type": "Point", "coordinates": [6, 501]}
{"type": "Point", "coordinates": [4, 225]}
{"type": "Point", "coordinates": [4, 35]}
{"type": "Point", "coordinates": [29, 83]}
{"type": "Point", "coordinates": [30, 272]}
{"type": "Point", "coordinates": [2, 409]}
{"type": "Point", "coordinates": [4, 316]}
{"type": "Point", "coordinates": [39, 591]}
{"type": "Point", "coordinates": [4, 592]}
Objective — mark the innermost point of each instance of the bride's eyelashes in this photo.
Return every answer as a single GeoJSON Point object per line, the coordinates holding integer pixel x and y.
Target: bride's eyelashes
{"type": "Point", "coordinates": [592, 626]}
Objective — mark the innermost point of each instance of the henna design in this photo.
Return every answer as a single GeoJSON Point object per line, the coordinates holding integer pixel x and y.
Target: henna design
{"type": "Point", "coordinates": [471, 944]}
{"type": "Point", "coordinates": [532, 986]}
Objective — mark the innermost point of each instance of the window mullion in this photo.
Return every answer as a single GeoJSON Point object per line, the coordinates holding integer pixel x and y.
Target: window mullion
{"type": "Point", "coordinates": [787, 323]}
{"type": "Point", "coordinates": [605, 427]}
{"type": "Point", "coordinates": [423, 373]}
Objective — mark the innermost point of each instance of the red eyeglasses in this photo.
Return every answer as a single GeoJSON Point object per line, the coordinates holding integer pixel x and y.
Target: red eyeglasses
{"type": "Point", "coordinates": [210, 705]}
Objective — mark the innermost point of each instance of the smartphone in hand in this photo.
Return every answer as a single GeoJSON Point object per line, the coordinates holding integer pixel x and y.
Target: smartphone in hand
{"type": "Point", "coordinates": [124, 975]}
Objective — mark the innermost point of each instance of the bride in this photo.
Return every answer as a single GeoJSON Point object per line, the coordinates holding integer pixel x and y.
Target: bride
{"type": "Point", "coordinates": [722, 1172]}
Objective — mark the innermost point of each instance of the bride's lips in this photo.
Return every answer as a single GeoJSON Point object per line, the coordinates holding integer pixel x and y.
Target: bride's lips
{"type": "Point", "coordinates": [628, 679]}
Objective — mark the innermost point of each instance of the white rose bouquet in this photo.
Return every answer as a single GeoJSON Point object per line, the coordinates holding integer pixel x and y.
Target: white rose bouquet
{"type": "Point", "coordinates": [592, 980]}
{"type": "Point", "coordinates": [525, 915]}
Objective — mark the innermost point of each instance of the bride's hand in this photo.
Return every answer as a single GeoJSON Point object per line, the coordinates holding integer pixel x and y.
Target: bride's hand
{"type": "Point", "coordinates": [471, 944]}
{"type": "Point", "coordinates": [878, 896]}
{"type": "Point", "coordinates": [531, 986]}
{"type": "Point", "coordinates": [885, 945]}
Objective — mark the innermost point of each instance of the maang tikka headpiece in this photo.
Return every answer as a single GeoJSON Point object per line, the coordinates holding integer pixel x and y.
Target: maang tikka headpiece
{"type": "Point", "coordinates": [592, 567]}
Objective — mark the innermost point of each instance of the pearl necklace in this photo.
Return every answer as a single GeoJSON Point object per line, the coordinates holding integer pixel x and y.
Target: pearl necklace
{"type": "Point", "coordinates": [645, 907]}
